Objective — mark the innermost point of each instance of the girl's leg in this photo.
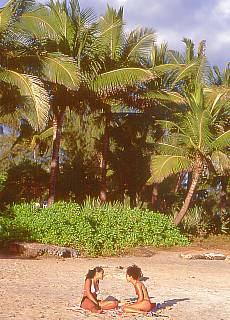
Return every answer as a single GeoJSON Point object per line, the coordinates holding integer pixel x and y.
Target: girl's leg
{"type": "Point", "coordinates": [138, 307]}
{"type": "Point", "coordinates": [88, 304]}
{"type": "Point", "coordinates": [108, 304]}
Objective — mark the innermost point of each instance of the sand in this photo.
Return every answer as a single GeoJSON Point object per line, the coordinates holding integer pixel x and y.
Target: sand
{"type": "Point", "coordinates": [42, 288]}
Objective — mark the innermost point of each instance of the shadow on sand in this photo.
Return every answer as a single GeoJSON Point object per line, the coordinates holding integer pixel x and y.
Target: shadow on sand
{"type": "Point", "coordinates": [7, 256]}
{"type": "Point", "coordinates": [170, 303]}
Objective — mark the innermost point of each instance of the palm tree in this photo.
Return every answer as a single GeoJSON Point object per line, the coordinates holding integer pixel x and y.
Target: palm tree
{"type": "Point", "coordinates": [195, 141]}
{"type": "Point", "coordinates": [222, 79]}
{"type": "Point", "coordinates": [67, 29]}
{"type": "Point", "coordinates": [128, 51]}
{"type": "Point", "coordinates": [131, 51]}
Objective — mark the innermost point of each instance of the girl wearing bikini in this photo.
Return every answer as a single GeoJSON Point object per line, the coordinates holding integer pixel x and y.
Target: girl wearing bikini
{"type": "Point", "coordinates": [143, 303]}
{"type": "Point", "coordinates": [91, 290]}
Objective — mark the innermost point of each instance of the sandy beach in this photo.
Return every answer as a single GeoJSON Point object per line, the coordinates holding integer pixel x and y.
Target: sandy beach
{"type": "Point", "coordinates": [42, 288]}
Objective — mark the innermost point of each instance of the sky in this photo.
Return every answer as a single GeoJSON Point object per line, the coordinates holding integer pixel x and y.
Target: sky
{"type": "Point", "coordinates": [175, 19]}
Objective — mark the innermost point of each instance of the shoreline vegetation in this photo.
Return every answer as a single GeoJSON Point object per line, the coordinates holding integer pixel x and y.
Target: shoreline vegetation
{"type": "Point", "coordinates": [89, 110]}
{"type": "Point", "coordinates": [94, 230]}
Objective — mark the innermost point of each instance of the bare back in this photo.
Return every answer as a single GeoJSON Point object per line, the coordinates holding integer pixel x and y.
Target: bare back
{"type": "Point", "coordinates": [141, 291]}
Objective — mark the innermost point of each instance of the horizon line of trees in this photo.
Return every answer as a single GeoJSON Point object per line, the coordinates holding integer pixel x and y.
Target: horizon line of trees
{"type": "Point", "coordinates": [109, 113]}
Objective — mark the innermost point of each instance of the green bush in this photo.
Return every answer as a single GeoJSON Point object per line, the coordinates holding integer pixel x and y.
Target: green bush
{"type": "Point", "coordinates": [5, 227]}
{"type": "Point", "coordinates": [93, 228]}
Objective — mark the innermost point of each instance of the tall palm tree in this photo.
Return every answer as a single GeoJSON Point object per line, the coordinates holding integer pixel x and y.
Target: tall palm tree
{"type": "Point", "coordinates": [222, 79]}
{"type": "Point", "coordinates": [60, 29]}
{"type": "Point", "coordinates": [134, 49]}
{"type": "Point", "coordinates": [122, 50]}
{"type": "Point", "coordinates": [195, 141]}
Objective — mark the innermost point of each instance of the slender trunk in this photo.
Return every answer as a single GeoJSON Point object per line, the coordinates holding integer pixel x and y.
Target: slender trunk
{"type": "Point", "coordinates": [224, 194]}
{"type": "Point", "coordinates": [122, 189]}
{"type": "Point", "coordinates": [103, 191]}
{"type": "Point", "coordinates": [154, 198]}
{"type": "Point", "coordinates": [133, 199]}
{"type": "Point", "coordinates": [197, 169]}
{"type": "Point", "coordinates": [54, 168]}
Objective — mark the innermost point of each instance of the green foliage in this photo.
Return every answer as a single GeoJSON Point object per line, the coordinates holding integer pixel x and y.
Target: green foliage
{"type": "Point", "coordinates": [93, 228]}
{"type": "Point", "coordinates": [3, 178]}
{"type": "Point", "coordinates": [25, 182]}
{"type": "Point", "coordinates": [5, 223]}
{"type": "Point", "coordinates": [195, 223]}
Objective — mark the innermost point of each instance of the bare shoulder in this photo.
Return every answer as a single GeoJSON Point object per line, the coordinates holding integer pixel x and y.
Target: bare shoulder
{"type": "Point", "coordinates": [88, 281]}
{"type": "Point", "coordinates": [139, 285]}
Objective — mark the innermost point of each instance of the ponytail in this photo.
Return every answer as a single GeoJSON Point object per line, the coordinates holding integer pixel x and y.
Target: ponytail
{"type": "Point", "coordinates": [91, 273]}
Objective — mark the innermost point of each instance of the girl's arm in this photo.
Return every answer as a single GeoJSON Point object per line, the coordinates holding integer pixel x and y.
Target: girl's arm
{"type": "Point", "coordinates": [88, 292]}
{"type": "Point", "coordinates": [139, 292]}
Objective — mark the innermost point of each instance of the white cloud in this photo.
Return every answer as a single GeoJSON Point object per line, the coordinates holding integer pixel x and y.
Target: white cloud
{"type": "Point", "coordinates": [223, 7]}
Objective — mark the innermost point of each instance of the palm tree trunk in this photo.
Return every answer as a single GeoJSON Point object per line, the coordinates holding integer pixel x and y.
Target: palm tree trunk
{"type": "Point", "coordinates": [54, 169]}
{"type": "Point", "coordinates": [197, 169]}
{"type": "Point", "coordinates": [189, 181]}
{"type": "Point", "coordinates": [154, 198]}
{"type": "Point", "coordinates": [103, 191]}
{"type": "Point", "coordinates": [133, 199]}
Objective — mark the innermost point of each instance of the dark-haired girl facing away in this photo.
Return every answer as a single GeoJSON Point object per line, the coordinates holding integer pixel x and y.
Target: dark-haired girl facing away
{"type": "Point", "coordinates": [91, 290]}
{"type": "Point", "coordinates": [143, 303]}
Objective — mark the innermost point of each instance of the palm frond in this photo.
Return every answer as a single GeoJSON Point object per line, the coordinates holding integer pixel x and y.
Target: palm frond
{"type": "Point", "coordinates": [140, 43]}
{"type": "Point", "coordinates": [120, 79]}
{"type": "Point", "coordinates": [61, 69]}
{"type": "Point", "coordinates": [163, 166]}
{"type": "Point", "coordinates": [201, 49]}
{"type": "Point", "coordinates": [112, 33]}
{"type": "Point", "coordinates": [201, 76]}
{"type": "Point", "coordinates": [175, 57]}
{"type": "Point", "coordinates": [220, 161]}
{"type": "Point", "coordinates": [169, 67]}
{"type": "Point", "coordinates": [41, 24]}
{"type": "Point", "coordinates": [37, 99]}
{"type": "Point", "coordinates": [222, 142]}
{"type": "Point", "coordinates": [165, 96]}
{"type": "Point", "coordinates": [169, 125]}
{"type": "Point", "coordinates": [11, 119]}
{"type": "Point", "coordinates": [166, 149]}
{"type": "Point", "coordinates": [159, 55]}
{"type": "Point", "coordinates": [187, 72]}
{"type": "Point", "coordinates": [47, 134]}
{"type": "Point", "coordinates": [6, 14]}
{"type": "Point", "coordinates": [189, 51]}
{"type": "Point", "coordinates": [197, 126]}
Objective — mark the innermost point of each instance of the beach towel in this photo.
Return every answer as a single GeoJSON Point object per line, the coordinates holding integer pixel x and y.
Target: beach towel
{"type": "Point", "coordinates": [154, 313]}
{"type": "Point", "coordinates": [79, 309]}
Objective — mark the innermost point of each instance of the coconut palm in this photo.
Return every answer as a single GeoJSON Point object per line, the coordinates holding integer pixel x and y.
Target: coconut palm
{"type": "Point", "coordinates": [67, 29]}
{"type": "Point", "coordinates": [135, 49]}
{"type": "Point", "coordinates": [195, 141]}
{"type": "Point", "coordinates": [122, 50]}
{"type": "Point", "coordinates": [222, 79]}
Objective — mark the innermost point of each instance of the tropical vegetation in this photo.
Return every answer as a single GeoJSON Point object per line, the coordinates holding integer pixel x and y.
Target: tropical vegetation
{"type": "Point", "coordinates": [90, 110]}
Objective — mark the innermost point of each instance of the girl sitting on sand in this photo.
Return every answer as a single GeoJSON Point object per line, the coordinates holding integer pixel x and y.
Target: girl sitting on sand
{"type": "Point", "coordinates": [91, 290]}
{"type": "Point", "coordinates": [143, 303]}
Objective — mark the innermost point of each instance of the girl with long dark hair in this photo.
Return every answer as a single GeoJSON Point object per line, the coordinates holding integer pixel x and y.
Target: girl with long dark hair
{"type": "Point", "coordinates": [91, 290]}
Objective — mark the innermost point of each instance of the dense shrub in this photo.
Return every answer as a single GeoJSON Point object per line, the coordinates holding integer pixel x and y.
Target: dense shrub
{"type": "Point", "coordinates": [93, 228]}
{"type": "Point", "coordinates": [24, 182]}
